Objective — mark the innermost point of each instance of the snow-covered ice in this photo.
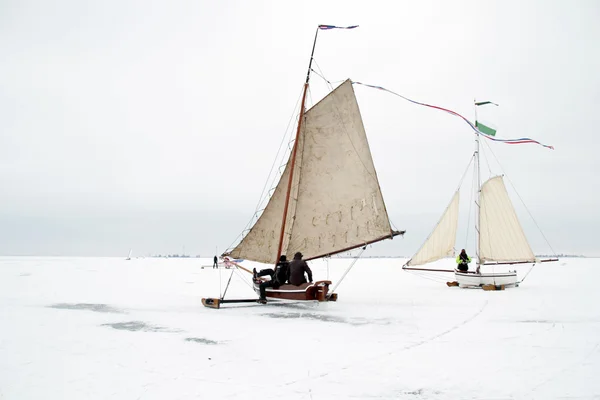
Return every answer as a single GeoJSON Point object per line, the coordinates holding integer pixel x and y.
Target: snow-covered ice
{"type": "Point", "coordinates": [98, 328]}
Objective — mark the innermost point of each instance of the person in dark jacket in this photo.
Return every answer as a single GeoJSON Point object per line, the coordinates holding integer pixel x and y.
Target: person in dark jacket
{"type": "Point", "coordinates": [215, 265]}
{"type": "Point", "coordinates": [297, 269]}
{"type": "Point", "coordinates": [279, 277]}
{"type": "Point", "coordinates": [463, 261]}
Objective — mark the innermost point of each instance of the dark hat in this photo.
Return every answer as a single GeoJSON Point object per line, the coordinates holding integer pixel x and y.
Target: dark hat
{"type": "Point", "coordinates": [283, 258]}
{"type": "Point", "coordinates": [298, 255]}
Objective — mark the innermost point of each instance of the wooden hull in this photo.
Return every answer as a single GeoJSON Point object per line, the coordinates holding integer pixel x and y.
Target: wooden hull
{"type": "Point", "coordinates": [467, 279]}
{"type": "Point", "coordinates": [316, 291]}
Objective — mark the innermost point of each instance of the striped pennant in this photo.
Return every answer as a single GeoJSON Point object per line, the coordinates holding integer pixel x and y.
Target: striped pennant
{"type": "Point", "coordinates": [495, 139]}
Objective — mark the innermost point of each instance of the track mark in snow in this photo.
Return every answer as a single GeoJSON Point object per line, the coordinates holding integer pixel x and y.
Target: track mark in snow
{"type": "Point", "coordinates": [565, 369]}
{"type": "Point", "coordinates": [466, 321]}
{"type": "Point", "coordinates": [532, 333]}
{"type": "Point", "coordinates": [135, 326]}
{"type": "Point", "coordinates": [412, 346]}
{"type": "Point", "coordinates": [537, 321]}
{"type": "Point", "coordinates": [201, 340]}
{"type": "Point", "coordinates": [326, 318]}
{"type": "Point", "coordinates": [104, 308]}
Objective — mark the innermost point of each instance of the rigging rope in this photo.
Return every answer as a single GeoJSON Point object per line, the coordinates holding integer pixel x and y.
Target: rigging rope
{"type": "Point", "coordinates": [226, 287]}
{"type": "Point", "coordinates": [521, 200]}
{"type": "Point", "coordinates": [270, 181]}
{"type": "Point", "coordinates": [530, 269]}
{"type": "Point", "coordinates": [507, 141]}
{"type": "Point", "coordinates": [427, 275]}
{"type": "Point", "coordinates": [220, 291]}
{"type": "Point", "coordinates": [348, 269]}
{"type": "Point", "coordinates": [243, 278]}
{"type": "Point", "coordinates": [235, 270]}
{"type": "Point", "coordinates": [329, 85]}
{"type": "Point", "coordinates": [487, 161]}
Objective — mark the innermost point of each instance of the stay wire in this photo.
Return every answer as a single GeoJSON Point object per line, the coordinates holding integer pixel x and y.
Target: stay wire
{"type": "Point", "coordinates": [338, 111]}
{"type": "Point", "coordinates": [432, 277]}
{"type": "Point", "coordinates": [521, 199]}
{"type": "Point", "coordinates": [227, 286]}
{"type": "Point", "coordinates": [269, 180]}
{"type": "Point", "coordinates": [349, 268]}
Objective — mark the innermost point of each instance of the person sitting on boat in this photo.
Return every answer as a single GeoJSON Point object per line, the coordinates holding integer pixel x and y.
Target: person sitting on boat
{"type": "Point", "coordinates": [297, 269]}
{"type": "Point", "coordinates": [463, 261]}
{"type": "Point", "coordinates": [279, 277]}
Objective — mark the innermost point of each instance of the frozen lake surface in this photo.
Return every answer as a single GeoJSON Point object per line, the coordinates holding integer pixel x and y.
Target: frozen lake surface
{"type": "Point", "coordinates": [99, 328]}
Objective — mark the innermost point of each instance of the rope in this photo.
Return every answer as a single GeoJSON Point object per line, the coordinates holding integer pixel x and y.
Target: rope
{"type": "Point", "coordinates": [348, 269]}
{"type": "Point", "coordinates": [330, 87]}
{"type": "Point", "coordinates": [228, 282]}
{"type": "Point", "coordinates": [487, 161]}
{"type": "Point", "coordinates": [243, 278]}
{"type": "Point", "coordinates": [530, 269]}
{"type": "Point", "coordinates": [507, 141]}
{"type": "Point", "coordinates": [269, 182]}
{"type": "Point", "coordinates": [521, 200]}
{"type": "Point", "coordinates": [431, 277]}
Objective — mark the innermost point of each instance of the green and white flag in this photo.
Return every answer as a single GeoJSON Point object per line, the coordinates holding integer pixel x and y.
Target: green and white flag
{"type": "Point", "coordinates": [485, 129]}
{"type": "Point", "coordinates": [483, 103]}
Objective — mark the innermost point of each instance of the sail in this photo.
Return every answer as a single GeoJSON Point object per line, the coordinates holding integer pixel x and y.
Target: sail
{"type": "Point", "coordinates": [501, 235]}
{"type": "Point", "coordinates": [339, 203]}
{"type": "Point", "coordinates": [335, 202]}
{"type": "Point", "coordinates": [440, 243]}
{"type": "Point", "coordinates": [261, 242]}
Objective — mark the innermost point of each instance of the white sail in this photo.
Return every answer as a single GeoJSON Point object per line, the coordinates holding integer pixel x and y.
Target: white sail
{"type": "Point", "coordinates": [339, 201]}
{"type": "Point", "coordinates": [335, 201]}
{"type": "Point", "coordinates": [440, 243]}
{"type": "Point", "coordinates": [501, 235]}
{"type": "Point", "coordinates": [261, 242]}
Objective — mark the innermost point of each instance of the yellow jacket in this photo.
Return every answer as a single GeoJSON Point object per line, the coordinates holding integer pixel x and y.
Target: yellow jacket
{"type": "Point", "coordinates": [460, 261]}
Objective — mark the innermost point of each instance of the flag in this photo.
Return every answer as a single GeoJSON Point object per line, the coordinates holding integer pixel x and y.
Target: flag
{"type": "Point", "coordinates": [477, 129]}
{"type": "Point", "coordinates": [325, 27]}
{"type": "Point", "coordinates": [485, 129]}
{"type": "Point", "coordinates": [483, 103]}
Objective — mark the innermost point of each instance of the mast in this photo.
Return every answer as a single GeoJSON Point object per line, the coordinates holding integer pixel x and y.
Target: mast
{"type": "Point", "coordinates": [477, 198]}
{"type": "Point", "coordinates": [294, 150]}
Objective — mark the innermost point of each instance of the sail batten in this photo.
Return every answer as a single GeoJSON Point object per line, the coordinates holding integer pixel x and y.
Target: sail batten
{"type": "Point", "coordinates": [335, 201]}
{"type": "Point", "coordinates": [501, 235]}
{"type": "Point", "coordinates": [440, 243]}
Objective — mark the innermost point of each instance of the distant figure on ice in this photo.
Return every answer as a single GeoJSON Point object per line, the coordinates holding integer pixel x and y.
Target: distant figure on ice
{"type": "Point", "coordinates": [279, 277]}
{"type": "Point", "coordinates": [215, 265]}
{"type": "Point", "coordinates": [463, 261]}
{"type": "Point", "coordinates": [297, 269]}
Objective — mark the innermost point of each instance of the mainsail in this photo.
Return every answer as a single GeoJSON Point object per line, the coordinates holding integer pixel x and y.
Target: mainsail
{"type": "Point", "coordinates": [440, 243]}
{"type": "Point", "coordinates": [335, 202]}
{"type": "Point", "coordinates": [501, 236]}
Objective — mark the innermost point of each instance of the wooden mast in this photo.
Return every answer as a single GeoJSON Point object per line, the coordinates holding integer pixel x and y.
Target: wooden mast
{"type": "Point", "coordinates": [294, 151]}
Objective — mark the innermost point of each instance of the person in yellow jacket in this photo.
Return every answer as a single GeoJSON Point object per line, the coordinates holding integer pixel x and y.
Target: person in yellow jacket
{"type": "Point", "coordinates": [463, 261]}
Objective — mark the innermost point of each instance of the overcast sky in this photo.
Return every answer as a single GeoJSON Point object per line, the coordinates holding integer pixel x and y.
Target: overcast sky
{"type": "Point", "coordinates": [153, 125]}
